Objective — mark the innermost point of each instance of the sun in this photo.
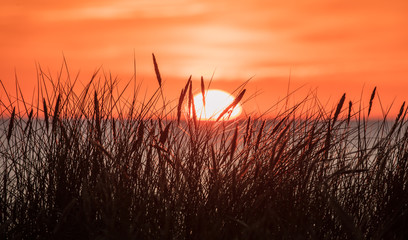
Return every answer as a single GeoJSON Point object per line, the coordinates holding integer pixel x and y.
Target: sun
{"type": "Point", "coordinates": [215, 102]}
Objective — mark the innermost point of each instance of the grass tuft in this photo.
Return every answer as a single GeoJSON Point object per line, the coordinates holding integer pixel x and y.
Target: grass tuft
{"type": "Point", "coordinates": [111, 168]}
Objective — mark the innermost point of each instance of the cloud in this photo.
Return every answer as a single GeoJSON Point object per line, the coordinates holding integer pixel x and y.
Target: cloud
{"type": "Point", "coordinates": [194, 36]}
{"type": "Point", "coordinates": [82, 10]}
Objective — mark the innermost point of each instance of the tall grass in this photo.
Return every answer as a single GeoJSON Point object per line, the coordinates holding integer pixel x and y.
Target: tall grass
{"type": "Point", "coordinates": [93, 165]}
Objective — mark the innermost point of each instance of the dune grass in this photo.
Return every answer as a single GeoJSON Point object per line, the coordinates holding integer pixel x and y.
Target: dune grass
{"type": "Point", "coordinates": [95, 166]}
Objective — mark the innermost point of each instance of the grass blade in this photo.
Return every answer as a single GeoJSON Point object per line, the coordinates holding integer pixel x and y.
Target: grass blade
{"type": "Point", "coordinates": [232, 105]}
{"type": "Point", "coordinates": [11, 124]}
{"type": "Point", "coordinates": [56, 113]}
{"type": "Point", "coordinates": [234, 143]}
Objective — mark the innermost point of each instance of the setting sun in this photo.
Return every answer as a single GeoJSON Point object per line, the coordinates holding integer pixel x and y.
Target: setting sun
{"type": "Point", "coordinates": [215, 102]}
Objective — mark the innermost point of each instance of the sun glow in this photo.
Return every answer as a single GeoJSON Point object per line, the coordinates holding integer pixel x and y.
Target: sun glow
{"type": "Point", "coordinates": [213, 104]}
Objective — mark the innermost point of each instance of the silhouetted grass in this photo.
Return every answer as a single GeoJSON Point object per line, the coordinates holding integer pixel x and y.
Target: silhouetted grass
{"type": "Point", "coordinates": [109, 168]}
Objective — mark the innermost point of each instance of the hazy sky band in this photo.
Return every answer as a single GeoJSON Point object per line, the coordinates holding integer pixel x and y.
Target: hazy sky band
{"type": "Point", "coordinates": [320, 43]}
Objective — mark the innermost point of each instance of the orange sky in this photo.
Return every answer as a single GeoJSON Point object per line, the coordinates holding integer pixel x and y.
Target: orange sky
{"type": "Point", "coordinates": [332, 46]}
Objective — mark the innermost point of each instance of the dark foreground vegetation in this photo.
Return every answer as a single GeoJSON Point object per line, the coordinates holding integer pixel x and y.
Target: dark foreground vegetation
{"type": "Point", "coordinates": [96, 166]}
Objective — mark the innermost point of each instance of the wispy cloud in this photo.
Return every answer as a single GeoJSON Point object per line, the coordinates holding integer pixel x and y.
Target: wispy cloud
{"type": "Point", "coordinates": [314, 38]}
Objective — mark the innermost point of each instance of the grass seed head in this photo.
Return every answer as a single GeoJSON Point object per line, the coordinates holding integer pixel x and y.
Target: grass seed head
{"type": "Point", "coordinates": [156, 69]}
{"type": "Point", "coordinates": [371, 101]}
{"type": "Point", "coordinates": [56, 112]}
{"type": "Point", "coordinates": [180, 105]}
{"type": "Point", "coordinates": [338, 108]}
{"type": "Point", "coordinates": [349, 112]}
{"type": "Point", "coordinates": [203, 90]}
{"type": "Point", "coordinates": [45, 114]}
